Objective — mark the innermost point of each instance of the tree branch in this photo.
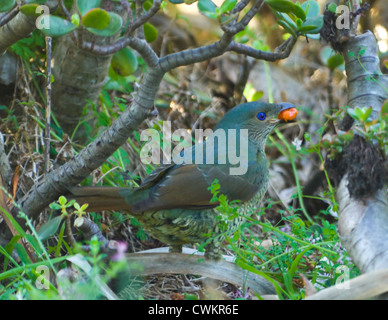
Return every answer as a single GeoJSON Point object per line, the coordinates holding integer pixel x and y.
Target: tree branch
{"type": "Point", "coordinates": [93, 155]}
{"type": "Point", "coordinates": [140, 45]}
{"type": "Point", "coordinates": [235, 27]}
{"type": "Point", "coordinates": [144, 17]}
{"type": "Point", "coordinates": [281, 52]}
{"type": "Point", "coordinates": [9, 16]}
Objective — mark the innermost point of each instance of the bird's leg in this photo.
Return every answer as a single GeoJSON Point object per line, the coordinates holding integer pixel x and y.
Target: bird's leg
{"type": "Point", "coordinates": [213, 251]}
{"type": "Point", "coordinates": [176, 248]}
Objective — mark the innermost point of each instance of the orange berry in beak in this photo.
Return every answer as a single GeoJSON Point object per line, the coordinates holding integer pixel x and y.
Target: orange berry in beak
{"type": "Point", "coordinates": [288, 114]}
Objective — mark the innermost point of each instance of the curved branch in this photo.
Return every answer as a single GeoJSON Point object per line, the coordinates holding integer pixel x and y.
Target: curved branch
{"type": "Point", "coordinates": [154, 263]}
{"type": "Point", "coordinates": [281, 52]}
{"type": "Point", "coordinates": [18, 28]}
{"type": "Point", "coordinates": [141, 46]}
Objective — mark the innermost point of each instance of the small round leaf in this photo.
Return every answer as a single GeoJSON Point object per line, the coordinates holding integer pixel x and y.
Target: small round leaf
{"type": "Point", "coordinates": [96, 18]}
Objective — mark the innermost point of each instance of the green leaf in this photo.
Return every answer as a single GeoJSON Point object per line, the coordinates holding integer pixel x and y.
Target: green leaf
{"type": "Point", "coordinates": [75, 19]}
{"type": "Point", "coordinates": [306, 29]}
{"type": "Point", "coordinates": [384, 108]}
{"type": "Point", "coordinates": [22, 253]}
{"type": "Point", "coordinates": [7, 251]}
{"type": "Point", "coordinates": [34, 243]}
{"type": "Point", "coordinates": [30, 10]}
{"type": "Point", "coordinates": [287, 27]}
{"type": "Point", "coordinates": [359, 113]}
{"type": "Point", "coordinates": [296, 261]}
{"type": "Point", "coordinates": [332, 7]}
{"type": "Point", "coordinates": [49, 228]}
{"type": "Point", "coordinates": [257, 96]}
{"type": "Point", "coordinates": [96, 18]}
{"type": "Point", "coordinates": [367, 113]}
{"type": "Point", "coordinates": [281, 5]}
{"type": "Point", "coordinates": [114, 26]}
{"type": "Point", "coordinates": [313, 8]}
{"type": "Point", "coordinates": [6, 5]}
{"type": "Point", "coordinates": [316, 21]}
{"type": "Point", "coordinates": [287, 280]}
{"type": "Point", "coordinates": [17, 226]}
{"type": "Point", "coordinates": [147, 5]}
{"type": "Point", "coordinates": [335, 61]}
{"type": "Point", "coordinates": [150, 32]}
{"type": "Point", "coordinates": [242, 264]}
{"type": "Point", "coordinates": [286, 18]}
{"type": "Point", "coordinates": [227, 5]}
{"type": "Point", "coordinates": [86, 5]}
{"type": "Point", "coordinates": [207, 8]}
{"type": "Point", "coordinates": [299, 12]}
{"type": "Point", "coordinates": [57, 26]}
{"type": "Point", "coordinates": [62, 200]}
{"type": "Point", "coordinates": [325, 54]}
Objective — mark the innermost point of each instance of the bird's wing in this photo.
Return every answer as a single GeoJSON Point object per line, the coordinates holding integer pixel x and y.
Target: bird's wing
{"type": "Point", "coordinates": [155, 176]}
{"type": "Point", "coordinates": [186, 186]}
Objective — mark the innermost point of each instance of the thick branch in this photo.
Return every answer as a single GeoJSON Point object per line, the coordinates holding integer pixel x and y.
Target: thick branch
{"type": "Point", "coordinates": [154, 263]}
{"type": "Point", "coordinates": [18, 28]}
{"type": "Point", "coordinates": [9, 16]}
{"type": "Point", "coordinates": [363, 221]}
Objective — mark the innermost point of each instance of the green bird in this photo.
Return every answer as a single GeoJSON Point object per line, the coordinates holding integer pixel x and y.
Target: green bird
{"type": "Point", "coordinates": [174, 202]}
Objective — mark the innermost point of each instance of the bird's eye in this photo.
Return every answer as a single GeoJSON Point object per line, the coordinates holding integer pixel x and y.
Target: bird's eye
{"type": "Point", "coordinates": [261, 116]}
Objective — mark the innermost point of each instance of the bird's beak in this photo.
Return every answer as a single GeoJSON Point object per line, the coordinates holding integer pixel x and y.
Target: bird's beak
{"type": "Point", "coordinates": [286, 106]}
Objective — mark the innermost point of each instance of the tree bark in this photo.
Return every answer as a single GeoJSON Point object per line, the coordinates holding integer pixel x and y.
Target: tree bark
{"type": "Point", "coordinates": [363, 217]}
{"type": "Point", "coordinates": [79, 76]}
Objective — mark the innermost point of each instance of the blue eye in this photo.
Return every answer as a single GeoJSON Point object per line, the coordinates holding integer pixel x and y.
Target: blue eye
{"type": "Point", "coordinates": [261, 116]}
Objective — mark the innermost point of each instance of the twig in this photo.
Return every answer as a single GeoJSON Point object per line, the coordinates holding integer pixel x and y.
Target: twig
{"type": "Point", "coordinates": [355, 5]}
{"type": "Point", "coordinates": [48, 107]}
{"type": "Point", "coordinates": [240, 6]}
{"type": "Point", "coordinates": [140, 45]}
{"type": "Point", "coordinates": [234, 27]}
{"type": "Point", "coordinates": [142, 18]}
{"type": "Point", "coordinates": [5, 168]}
{"type": "Point", "coordinates": [64, 9]}
{"type": "Point", "coordinates": [69, 232]}
{"type": "Point", "coordinates": [281, 52]}
{"type": "Point", "coordinates": [9, 16]}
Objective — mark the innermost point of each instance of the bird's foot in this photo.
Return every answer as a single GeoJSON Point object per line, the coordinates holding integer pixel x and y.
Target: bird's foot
{"type": "Point", "coordinates": [175, 249]}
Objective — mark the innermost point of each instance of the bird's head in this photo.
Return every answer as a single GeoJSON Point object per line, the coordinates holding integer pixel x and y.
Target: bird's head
{"type": "Point", "coordinates": [259, 118]}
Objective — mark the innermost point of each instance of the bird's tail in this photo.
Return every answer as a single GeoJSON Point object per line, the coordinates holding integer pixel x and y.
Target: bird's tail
{"type": "Point", "coordinates": [100, 198]}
